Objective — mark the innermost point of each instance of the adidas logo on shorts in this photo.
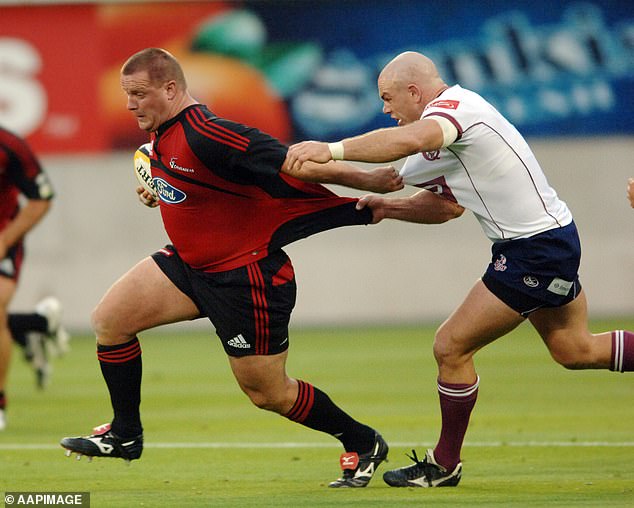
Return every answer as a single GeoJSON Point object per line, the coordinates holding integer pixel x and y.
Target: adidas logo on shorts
{"type": "Point", "coordinates": [239, 342]}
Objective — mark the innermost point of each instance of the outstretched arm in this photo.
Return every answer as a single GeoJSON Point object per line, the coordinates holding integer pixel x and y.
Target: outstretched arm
{"type": "Point", "coordinates": [383, 179]}
{"type": "Point", "coordinates": [382, 145]}
{"type": "Point", "coordinates": [630, 191]}
{"type": "Point", "coordinates": [424, 207]}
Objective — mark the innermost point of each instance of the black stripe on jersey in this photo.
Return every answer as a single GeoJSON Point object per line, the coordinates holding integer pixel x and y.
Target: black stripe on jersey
{"type": "Point", "coordinates": [216, 132]}
{"type": "Point", "coordinates": [316, 222]}
{"type": "Point", "coordinates": [187, 179]}
{"type": "Point", "coordinates": [258, 164]}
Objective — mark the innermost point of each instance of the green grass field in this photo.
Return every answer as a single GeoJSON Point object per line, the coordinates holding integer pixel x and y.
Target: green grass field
{"type": "Point", "coordinates": [540, 435]}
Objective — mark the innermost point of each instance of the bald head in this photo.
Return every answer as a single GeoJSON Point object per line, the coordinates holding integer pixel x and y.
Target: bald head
{"type": "Point", "coordinates": [412, 67]}
{"type": "Point", "coordinates": [407, 84]}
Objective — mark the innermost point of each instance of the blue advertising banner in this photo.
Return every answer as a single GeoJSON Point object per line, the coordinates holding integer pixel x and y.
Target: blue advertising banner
{"type": "Point", "coordinates": [553, 68]}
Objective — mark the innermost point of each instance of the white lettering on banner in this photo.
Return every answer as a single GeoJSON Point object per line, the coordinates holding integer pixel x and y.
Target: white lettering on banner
{"type": "Point", "coordinates": [23, 100]}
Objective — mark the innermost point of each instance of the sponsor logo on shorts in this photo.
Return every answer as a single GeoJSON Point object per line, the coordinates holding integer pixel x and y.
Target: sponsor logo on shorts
{"type": "Point", "coordinates": [560, 286]}
{"type": "Point", "coordinates": [168, 193]}
{"type": "Point", "coordinates": [239, 342]}
{"type": "Point", "coordinates": [531, 281]}
{"type": "Point", "coordinates": [500, 264]}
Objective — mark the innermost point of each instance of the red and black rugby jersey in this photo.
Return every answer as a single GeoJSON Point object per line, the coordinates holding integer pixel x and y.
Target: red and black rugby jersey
{"type": "Point", "coordinates": [20, 173]}
{"type": "Point", "coordinates": [224, 202]}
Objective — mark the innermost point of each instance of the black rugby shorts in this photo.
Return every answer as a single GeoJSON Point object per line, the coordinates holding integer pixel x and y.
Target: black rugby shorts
{"type": "Point", "coordinates": [250, 307]}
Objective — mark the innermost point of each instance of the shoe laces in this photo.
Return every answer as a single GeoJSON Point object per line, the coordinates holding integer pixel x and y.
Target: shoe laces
{"type": "Point", "coordinates": [414, 457]}
{"type": "Point", "coordinates": [424, 466]}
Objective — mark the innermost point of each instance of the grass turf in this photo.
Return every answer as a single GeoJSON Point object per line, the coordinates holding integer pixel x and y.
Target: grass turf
{"type": "Point", "coordinates": [540, 435]}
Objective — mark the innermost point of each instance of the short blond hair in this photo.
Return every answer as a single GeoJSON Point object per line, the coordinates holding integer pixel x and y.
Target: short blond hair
{"type": "Point", "coordinates": [160, 65]}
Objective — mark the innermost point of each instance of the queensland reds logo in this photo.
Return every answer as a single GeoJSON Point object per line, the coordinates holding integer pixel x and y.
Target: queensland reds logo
{"type": "Point", "coordinates": [438, 186]}
{"type": "Point", "coordinates": [500, 264]}
{"type": "Point", "coordinates": [431, 156]}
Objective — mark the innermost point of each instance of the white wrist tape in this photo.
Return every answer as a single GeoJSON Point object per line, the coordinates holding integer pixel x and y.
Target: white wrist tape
{"type": "Point", "coordinates": [336, 150]}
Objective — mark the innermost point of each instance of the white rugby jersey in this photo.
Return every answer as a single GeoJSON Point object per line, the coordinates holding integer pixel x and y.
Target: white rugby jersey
{"type": "Point", "coordinates": [489, 170]}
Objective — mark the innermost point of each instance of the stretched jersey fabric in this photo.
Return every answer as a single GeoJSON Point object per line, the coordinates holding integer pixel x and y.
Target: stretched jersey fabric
{"type": "Point", "coordinates": [489, 169]}
{"type": "Point", "coordinates": [223, 200]}
{"type": "Point", "coordinates": [20, 173]}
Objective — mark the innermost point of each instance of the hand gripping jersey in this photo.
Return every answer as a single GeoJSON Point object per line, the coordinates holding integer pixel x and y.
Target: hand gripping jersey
{"type": "Point", "coordinates": [224, 202]}
{"type": "Point", "coordinates": [489, 170]}
{"type": "Point", "coordinates": [20, 173]}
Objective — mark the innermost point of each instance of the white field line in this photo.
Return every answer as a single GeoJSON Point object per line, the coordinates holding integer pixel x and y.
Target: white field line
{"type": "Point", "coordinates": [217, 445]}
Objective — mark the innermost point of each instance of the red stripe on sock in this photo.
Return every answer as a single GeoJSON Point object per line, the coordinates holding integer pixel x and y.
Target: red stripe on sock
{"type": "Point", "coordinates": [127, 352]}
{"type": "Point", "coordinates": [304, 403]}
{"type": "Point", "coordinates": [299, 402]}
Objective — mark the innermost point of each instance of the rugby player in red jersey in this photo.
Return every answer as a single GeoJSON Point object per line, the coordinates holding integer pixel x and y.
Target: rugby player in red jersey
{"type": "Point", "coordinates": [22, 175]}
{"type": "Point", "coordinates": [228, 208]}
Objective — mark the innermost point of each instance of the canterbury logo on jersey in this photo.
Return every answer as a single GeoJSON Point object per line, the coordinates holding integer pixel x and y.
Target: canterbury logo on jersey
{"type": "Point", "coordinates": [167, 192]}
{"type": "Point", "coordinates": [239, 342]}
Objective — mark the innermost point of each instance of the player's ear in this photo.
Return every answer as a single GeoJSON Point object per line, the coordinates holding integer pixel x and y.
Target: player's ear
{"type": "Point", "coordinates": [170, 89]}
{"type": "Point", "coordinates": [414, 92]}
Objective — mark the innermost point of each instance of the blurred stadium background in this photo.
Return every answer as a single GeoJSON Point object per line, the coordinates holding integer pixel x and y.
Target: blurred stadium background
{"type": "Point", "coordinates": [563, 72]}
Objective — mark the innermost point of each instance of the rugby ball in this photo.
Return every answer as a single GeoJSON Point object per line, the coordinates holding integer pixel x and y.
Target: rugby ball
{"type": "Point", "coordinates": [143, 168]}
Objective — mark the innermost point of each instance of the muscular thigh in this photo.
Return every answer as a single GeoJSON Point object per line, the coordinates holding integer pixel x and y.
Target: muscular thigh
{"type": "Point", "coordinates": [142, 298]}
{"type": "Point", "coordinates": [481, 318]}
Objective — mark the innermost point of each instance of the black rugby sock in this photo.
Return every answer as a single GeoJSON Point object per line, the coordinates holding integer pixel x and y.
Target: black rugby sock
{"type": "Point", "coordinates": [121, 367]}
{"type": "Point", "coordinates": [21, 324]}
{"type": "Point", "coordinates": [314, 409]}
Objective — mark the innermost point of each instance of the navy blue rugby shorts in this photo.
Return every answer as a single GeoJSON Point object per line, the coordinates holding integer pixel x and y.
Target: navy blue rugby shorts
{"type": "Point", "coordinates": [532, 273]}
{"type": "Point", "coordinates": [250, 307]}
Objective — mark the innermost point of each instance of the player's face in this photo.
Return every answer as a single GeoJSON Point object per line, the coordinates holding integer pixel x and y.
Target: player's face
{"type": "Point", "coordinates": [147, 102]}
{"type": "Point", "coordinates": [398, 102]}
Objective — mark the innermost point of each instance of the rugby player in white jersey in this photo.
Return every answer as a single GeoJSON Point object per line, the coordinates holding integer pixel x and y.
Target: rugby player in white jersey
{"type": "Point", "coordinates": [460, 147]}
